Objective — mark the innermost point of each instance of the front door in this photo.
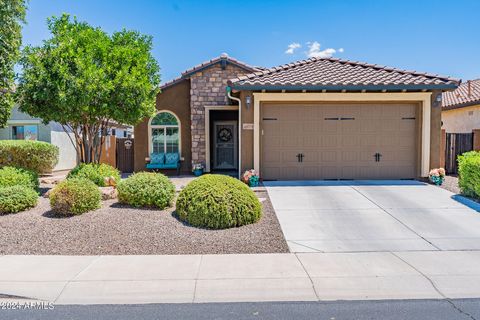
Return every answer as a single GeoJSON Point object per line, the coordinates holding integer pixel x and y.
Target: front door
{"type": "Point", "coordinates": [225, 145]}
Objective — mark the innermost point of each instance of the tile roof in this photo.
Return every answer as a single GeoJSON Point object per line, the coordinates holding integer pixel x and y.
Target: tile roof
{"type": "Point", "coordinates": [223, 57]}
{"type": "Point", "coordinates": [468, 93]}
{"type": "Point", "coordinates": [336, 74]}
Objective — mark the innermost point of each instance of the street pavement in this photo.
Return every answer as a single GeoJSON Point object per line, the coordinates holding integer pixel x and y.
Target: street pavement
{"type": "Point", "coordinates": [340, 310]}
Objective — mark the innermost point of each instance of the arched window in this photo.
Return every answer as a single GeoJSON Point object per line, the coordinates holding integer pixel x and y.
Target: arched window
{"type": "Point", "coordinates": [164, 133]}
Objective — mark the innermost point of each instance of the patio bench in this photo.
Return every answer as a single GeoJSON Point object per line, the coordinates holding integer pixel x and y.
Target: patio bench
{"type": "Point", "coordinates": [158, 161]}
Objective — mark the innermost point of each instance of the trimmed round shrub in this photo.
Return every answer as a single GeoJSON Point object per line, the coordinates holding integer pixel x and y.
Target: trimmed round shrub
{"type": "Point", "coordinates": [38, 156]}
{"type": "Point", "coordinates": [146, 189]}
{"type": "Point", "coordinates": [75, 196]}
{"type": "Point", "coordinates": [218, 202]}
{"type": "Point", "coordinates": [10, 176]}
{"type": "Point", "coordinates": [95, 173]}
{"type": "Point", "coordinates": [14, 199]}
{"type": "Point", "coordinates": [469, 173]}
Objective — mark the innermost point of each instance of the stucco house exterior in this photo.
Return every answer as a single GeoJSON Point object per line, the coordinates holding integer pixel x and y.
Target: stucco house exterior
{"type": "Point", "coordinates": [24, 127]}
{"type": "Point", "coordinates": [310, 119]}
{"type": "Point", "coordinates": [461, 108]}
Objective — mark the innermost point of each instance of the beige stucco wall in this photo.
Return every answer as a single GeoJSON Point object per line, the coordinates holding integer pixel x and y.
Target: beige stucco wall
{"type": "Point", "coordinates": [461, 120]}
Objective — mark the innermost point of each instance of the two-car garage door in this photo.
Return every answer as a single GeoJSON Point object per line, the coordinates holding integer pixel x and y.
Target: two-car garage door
{"type": "Point", "coordinates": [339, 141]}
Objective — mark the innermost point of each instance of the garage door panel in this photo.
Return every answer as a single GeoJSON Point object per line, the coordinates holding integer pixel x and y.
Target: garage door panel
{"type": "Point", "coordinates": [328, 141]}
{"type": "Point", "coordinates": [310, 127]}
{"type": "Point", "coordinates": [328, 126]}
{"type": "Point", "coordinates": [329, 172]}
{"type": "Point", "coordinates": [350, 140]}
{"type": "Point", "coordinates": [369, 125]}
{"type": "Point", "coordinates": [327, 156]}
{"type": "Point", "coordinates": [339, 149]}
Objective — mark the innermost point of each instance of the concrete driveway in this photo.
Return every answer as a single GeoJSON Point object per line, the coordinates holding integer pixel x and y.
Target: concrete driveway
{"type": "Point", "coordinates": [358, 216]}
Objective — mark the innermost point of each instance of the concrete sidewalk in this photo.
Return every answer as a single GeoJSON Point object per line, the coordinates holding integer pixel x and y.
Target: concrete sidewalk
{"type": "Point", "coordinates": [237, 278]}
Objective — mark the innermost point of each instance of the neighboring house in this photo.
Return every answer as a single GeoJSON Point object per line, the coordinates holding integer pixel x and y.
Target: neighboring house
{"type": "Point", "coordinates": [21, 126]}
{"type": "Point", "coordinates": [311, 119]}
{"type": "Point", "coordinates": [461, 108]}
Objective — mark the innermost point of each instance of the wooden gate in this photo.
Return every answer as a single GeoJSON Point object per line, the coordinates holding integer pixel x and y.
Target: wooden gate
{"type": "Point", "coordinates": [125, 154]}
{"type": "Point", "coordinates": [457, 143]}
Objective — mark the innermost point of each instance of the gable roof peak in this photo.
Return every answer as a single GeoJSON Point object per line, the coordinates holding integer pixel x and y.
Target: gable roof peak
{"type": "Point", "coordinates": [223, 58]}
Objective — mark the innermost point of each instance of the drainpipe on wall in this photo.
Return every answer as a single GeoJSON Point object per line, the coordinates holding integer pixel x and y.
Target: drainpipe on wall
{"type": "Point", "coordinates": [229, 95]}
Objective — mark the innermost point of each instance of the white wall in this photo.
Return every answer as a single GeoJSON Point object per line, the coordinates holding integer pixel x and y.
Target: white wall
{"type": "Point", "coordinates": [68, 155]}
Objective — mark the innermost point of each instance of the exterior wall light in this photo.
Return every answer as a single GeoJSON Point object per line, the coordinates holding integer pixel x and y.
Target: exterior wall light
{"type": "Point", "coordinates": [248, 101]}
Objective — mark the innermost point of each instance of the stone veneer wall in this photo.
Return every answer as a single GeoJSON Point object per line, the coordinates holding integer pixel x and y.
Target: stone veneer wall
{"type": "Point", "coordinates": [207, 88]}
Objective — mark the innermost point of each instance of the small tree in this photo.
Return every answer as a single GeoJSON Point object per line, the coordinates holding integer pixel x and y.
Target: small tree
{"type": "Point", "coordinates": [87, 80]}
{"type": "Point", "coordinates": [12, 14]}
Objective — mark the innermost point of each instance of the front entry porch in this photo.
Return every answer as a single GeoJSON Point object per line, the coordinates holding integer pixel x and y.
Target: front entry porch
{"type": "Point", "coordinates": [221, 126]}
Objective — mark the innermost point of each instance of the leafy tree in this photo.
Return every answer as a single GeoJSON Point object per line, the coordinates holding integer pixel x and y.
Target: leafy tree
{"type": "Point", "coordinates": [87, 80]}
{"type": "Point", "coordinates": [12, 14]}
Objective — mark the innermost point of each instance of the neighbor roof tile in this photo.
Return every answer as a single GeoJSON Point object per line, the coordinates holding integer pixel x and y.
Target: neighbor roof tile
{"type": "Point", "coordinates": [462, 96]}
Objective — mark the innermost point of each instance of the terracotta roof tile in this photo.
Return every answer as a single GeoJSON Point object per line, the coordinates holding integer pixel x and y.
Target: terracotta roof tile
{"type": "Point", "coordinates": [462, 96]}
{"type": "Point", "coordinates": [335, 72]}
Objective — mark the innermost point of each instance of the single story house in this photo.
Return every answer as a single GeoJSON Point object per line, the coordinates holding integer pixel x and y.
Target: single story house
{"type": "Point", "coordinates": [461, 108]}
{"type": "Point", "coordinates": [311, 119]}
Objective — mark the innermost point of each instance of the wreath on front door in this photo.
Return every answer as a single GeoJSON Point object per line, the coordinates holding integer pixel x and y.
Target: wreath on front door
{"type": "Point", "coordinates": [224, 134]}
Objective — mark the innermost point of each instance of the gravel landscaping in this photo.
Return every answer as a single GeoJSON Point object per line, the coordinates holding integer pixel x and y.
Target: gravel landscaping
{"type": "Point", "coordinates": [451, 184]}
{"type": "Point", "coordinates": [117, 229]}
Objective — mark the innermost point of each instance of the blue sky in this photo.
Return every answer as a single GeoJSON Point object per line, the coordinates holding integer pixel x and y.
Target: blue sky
{"type": "Point", "coordinates": [433, 36]}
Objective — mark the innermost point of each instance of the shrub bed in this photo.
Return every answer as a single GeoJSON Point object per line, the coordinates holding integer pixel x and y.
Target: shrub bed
{"type": "Point", "coordinates": [469, 173]}
{"type": "Point", "coordinates": [75, 196]}
{"type": "Point", "coordinates": [14, 199]}
{"type": "Point", "coordinates": [146, 189]}
{"type": "Point", "coordinates": [218, 202]}
{"type": "Point", "coordinates": [95, 173]}
{"type": "Point", "coordinates": [38, 156]}
{"type": "Point", "coordinates": [10, 176]}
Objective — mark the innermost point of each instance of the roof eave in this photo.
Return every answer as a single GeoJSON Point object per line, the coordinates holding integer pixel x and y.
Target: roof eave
{"type": "Point", "coordinates": [343, 87]}
{"type": "Point", "coordinates": [461, 105]}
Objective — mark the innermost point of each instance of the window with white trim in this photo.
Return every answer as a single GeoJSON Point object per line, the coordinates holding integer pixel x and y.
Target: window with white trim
{"type": "Point", "coordinates": [165, 133]}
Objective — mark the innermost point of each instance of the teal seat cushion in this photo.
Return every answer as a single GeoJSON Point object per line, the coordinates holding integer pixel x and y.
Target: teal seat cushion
{"type": "Point", "coordinates": [171, 158]}
{"type": "Point", "coordinates": [157, 158]}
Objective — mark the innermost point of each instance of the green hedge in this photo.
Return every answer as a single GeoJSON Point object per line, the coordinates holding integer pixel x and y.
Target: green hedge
{"type": "Point", "coordinates": [469, 173]}
{"type": "Point", "coordinates": [218, 202]}
{"type": "Point", "coordinates": [75, 196]}
{"type": "Point", "coordinates": [10, 176]}
{"type": "Point", "coordinates": [17, 198]}
{"type": "Point", "coordinates": [146, 189]}
{"type": "Point", "coordinates": [95, 173]}
{"type": "Point", "coordinates": [38, 156]}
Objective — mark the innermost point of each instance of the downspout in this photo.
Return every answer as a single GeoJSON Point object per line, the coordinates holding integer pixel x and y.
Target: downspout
{"type": "Point", "coordinates": [229, 95]}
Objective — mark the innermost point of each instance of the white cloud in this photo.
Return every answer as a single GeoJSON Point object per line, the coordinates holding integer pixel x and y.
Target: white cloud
{"type": "Point", "coordinates": [315, 52]}
{"type": "Point", "coordinates": [292, 47]}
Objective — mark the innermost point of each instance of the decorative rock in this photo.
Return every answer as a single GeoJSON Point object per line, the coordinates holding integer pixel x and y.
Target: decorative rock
{"type": "Point", "coordinates": [47, 194]}
{"type": "Point", "coordinates": [108, 193]}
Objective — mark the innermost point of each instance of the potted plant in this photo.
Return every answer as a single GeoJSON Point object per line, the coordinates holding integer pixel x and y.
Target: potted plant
{"type": "Point", "coordinates": [251, 178]}
{"type": "Point", "coordinates": [437, 176]}
{"type": "Point", "coordinates": [197, 169]}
